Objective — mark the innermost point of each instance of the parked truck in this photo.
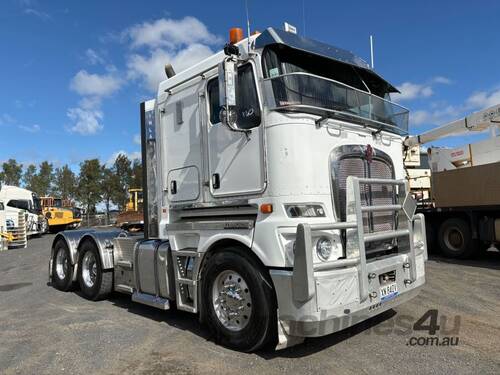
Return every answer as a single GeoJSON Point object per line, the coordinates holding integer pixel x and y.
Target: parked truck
{"type": "Point", "coordinates": [24, 211]}
{"type": "Point", "coordinates": [275, 201]}
{"type": "Point", "coordinates": [5, 235]}
{"type": "Point", "coordinates": [462, 202]}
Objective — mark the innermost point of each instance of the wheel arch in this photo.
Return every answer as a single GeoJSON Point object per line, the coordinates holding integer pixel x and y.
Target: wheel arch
{"type": "Point", "coordinates": [245, 251]}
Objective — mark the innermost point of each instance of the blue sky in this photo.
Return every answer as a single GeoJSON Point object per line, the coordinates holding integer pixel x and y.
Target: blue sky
{"type": "Point", "coordinates": [73, 73]}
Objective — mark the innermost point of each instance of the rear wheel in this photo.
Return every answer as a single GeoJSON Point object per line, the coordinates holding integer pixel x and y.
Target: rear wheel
{"type": "Point", "coordinates": [95, 282]}
{"type": "Point", "coordinates": [455, 239]}
{"type": "Point", "coordinates": [62, 269]}
{"type": "Point", "coordinates": [239, 301]}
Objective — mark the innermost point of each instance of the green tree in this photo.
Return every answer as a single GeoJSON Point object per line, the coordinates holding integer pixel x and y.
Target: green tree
{"type": "Point", "coordinates": [29, 177]}
{"type": "Point", "coordinates": [65, 185]}
{"type": "Point", "coordinates": [44, 179]}
{"type": "Point", "coordinates": [123, 171]}
{"type": "Point", "coordinates": [89, 191]}
{"type": "Point", "coordinates": [136, 181]}
{"type": "Point", "coordinates": [110, 183]}
{"type": "Point", "coordinates": [11, 172]}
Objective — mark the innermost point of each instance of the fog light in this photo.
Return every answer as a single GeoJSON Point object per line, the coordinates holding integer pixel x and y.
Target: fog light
{"type": "Point", "coordinates": [324, 248]}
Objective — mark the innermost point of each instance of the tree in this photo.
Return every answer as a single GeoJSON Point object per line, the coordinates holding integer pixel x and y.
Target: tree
{"type": "Point", "coordinates": [90, 184]}
{"type": "Point", "coordinates": [65, 183]}
{"type": "Point", "coordinates": [136, 181]}
{"type": "Point", "coordinates": [44, 179]}
{"type": "Point", "coordinates": [123, 172]}
{"type": "Point", "coordinates": [29, 177]}
{"type": "Point", "coordinates": [11, 172]}
{"type": "Point", "coordinates": [110, 183]}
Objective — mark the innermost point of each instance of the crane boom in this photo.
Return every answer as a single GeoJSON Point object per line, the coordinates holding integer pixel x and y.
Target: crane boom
{"type": "Point", "coordinates": [475, 122]}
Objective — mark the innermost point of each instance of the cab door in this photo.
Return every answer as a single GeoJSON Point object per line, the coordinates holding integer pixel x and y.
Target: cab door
{"type": "Point", "coordinates": [236, 158]}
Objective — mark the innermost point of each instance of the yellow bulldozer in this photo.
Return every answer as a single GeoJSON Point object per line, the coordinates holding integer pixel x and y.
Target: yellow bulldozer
{"type": "Point", "coordinates": [60, 213]}
{"type": "Point", "coordinates": [132, 218]}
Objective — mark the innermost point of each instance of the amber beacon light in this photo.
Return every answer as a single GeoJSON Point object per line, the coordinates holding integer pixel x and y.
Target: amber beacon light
{"type": "Point", "coordinates": [235, 35]}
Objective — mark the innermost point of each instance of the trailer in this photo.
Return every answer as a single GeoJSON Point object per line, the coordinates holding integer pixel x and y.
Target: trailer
{"type": "Point", "coordinates": [275, 201]}
{"type": "Point", "coordinates": [461, 203]}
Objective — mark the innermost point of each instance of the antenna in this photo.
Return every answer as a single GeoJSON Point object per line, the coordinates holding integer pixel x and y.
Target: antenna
{"type": "Point", "coordinates": [248, 25]}
{"type": "Point", "coordinates": [371, 50]}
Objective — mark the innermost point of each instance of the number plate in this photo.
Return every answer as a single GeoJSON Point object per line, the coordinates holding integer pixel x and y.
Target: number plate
{"type": "Point", "coordinates": [388, 291]}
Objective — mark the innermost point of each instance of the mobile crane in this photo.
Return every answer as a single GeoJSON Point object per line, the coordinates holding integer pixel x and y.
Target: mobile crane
{"type": "Point", "coordinates": [275, 203]}
{"type": "Point", "coordinates": [465, 187]}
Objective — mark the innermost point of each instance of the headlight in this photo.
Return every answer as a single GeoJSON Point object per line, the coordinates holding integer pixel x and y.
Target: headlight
{"type": "Point", "coordinates": [304, 210]}
{"type": "Point", "coordinates": [324, 248]}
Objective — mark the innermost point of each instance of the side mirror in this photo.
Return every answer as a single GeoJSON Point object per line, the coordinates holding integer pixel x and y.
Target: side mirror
{"type": "Point", "coordinates": [227, 92]}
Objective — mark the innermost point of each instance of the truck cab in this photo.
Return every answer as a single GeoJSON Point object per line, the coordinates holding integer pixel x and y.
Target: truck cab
{"type": "Point", "coordinates": [275, 199]}
{"type": "Point", "coordinates": [22, 201]}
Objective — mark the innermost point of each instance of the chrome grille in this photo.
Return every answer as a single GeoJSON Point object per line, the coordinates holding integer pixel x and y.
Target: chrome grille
{"type": "Point", "coordinates": [347, 164]}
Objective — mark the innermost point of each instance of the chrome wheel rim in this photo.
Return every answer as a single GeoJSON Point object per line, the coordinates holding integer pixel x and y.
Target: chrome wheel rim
{"type": "Point", "coordinates": [62, 264]}
{"type": "Point", "coordinates": [89, 269]}
{"type": "Point", "coordinates": [231, 300]}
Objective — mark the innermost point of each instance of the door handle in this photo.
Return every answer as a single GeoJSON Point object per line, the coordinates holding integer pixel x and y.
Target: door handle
{"type": "Point", "coordinates": [215, 181]}
{"type": "Point", "coordinates": [173, 187]}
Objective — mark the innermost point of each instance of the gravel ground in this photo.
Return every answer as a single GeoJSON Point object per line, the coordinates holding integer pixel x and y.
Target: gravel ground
{"type": "Point", "coordinates": [44, 331]}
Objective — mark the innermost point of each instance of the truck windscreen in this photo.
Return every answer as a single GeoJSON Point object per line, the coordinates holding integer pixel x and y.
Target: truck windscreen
{"type": "Point", "coordinates": [304, 82]}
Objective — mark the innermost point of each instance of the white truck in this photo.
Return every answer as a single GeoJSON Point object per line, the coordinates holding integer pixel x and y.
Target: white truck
{"type": "Point", "coordinates": [276, 205]}
{"type": "Point", "coordinates": [24, 212]}
{"type": "Point", "coordinates": [463, 208]}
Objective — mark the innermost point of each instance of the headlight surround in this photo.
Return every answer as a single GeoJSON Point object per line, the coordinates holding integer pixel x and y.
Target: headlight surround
{"type": "Point", "coordinates": [324, 248]}
{"type": "Point", "coordinates": [304, 210]}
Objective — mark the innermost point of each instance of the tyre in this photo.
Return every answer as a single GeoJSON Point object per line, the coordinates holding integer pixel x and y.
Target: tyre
{"type": "Point", "coordinates": [238, 299]}
{"type": "Point", "coordinates": [455, 239]}
{"type": "Point", "coordinates": [62, 270]}
{"type": "Point", "coordinates": [95, 282]}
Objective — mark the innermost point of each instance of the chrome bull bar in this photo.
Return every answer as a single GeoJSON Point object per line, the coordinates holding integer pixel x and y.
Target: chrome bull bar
{"type": "Point", "coordinates": [303, 283]}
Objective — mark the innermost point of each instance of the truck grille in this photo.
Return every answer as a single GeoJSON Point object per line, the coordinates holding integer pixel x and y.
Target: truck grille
{"type": "Point", "coordinates": [354, 163]}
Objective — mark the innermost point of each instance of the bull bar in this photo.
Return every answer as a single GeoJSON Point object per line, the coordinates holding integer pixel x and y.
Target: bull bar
{"type": "Point", "coordinates": [303, 283]}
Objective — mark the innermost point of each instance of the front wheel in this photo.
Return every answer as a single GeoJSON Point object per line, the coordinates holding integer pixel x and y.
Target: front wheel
{"type": "Point", "coordinates": [239, 302]}
{"type": "Point", "coordinates": [95, 282]}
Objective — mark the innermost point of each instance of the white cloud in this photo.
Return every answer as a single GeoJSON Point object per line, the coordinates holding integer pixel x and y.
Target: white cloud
{"type": "Point", "coordinates": [30, 129]}
{"type": "Point", "coordinates": [435, 116]}
{"type": "Point", "coordinates": [484, 99]}
{"type": "Point", "coordinates": [151, 69]}
{"type": "Point", "coordinates": [87, 84]}
{"type": "Point", "coordinates": [137, 139]}
{"type": "Point", "coordinates": [37, 13]}
{"type": "Point", "coordinates": [411, 90]}
{"type": "Point", "coordinates": [170, 33]}
{"type": "Point", "coordinates": [85, 121]}
{"type": "Point", "coordinates": [93, 57]}
{"type": "Point", "coordinates": [442, 80]}
{"type": "Point", "coordinates": [136, 155]}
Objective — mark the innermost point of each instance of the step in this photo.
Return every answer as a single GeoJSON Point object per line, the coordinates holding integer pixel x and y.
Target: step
{"type": "Point", "coordinates": [150, 300]}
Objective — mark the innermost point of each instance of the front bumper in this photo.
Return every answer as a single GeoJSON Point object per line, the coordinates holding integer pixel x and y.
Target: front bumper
{"type": "Point", "coordinates": [336, 302]}
{"type": "Point", "coordinates": [317, 299]}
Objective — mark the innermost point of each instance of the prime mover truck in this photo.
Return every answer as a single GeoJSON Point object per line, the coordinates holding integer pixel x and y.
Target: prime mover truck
{"type": "Point", "coordinates": [275, 201]}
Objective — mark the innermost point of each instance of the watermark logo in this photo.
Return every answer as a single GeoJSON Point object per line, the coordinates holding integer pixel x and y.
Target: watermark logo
{"type": "Point", "coordinates": [442, 334]}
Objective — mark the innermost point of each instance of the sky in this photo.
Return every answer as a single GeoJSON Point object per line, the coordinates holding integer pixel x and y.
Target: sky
{"type": "Point", "coordinates": [72, 74]}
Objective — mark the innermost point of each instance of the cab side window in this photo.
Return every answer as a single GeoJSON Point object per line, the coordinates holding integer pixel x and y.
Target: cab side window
{"type": "Point", "coordinates": [247, 101]}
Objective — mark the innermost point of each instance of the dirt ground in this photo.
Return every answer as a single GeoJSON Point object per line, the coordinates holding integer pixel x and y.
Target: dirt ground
{"type": "Point", "coordinates": [44, 331]}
